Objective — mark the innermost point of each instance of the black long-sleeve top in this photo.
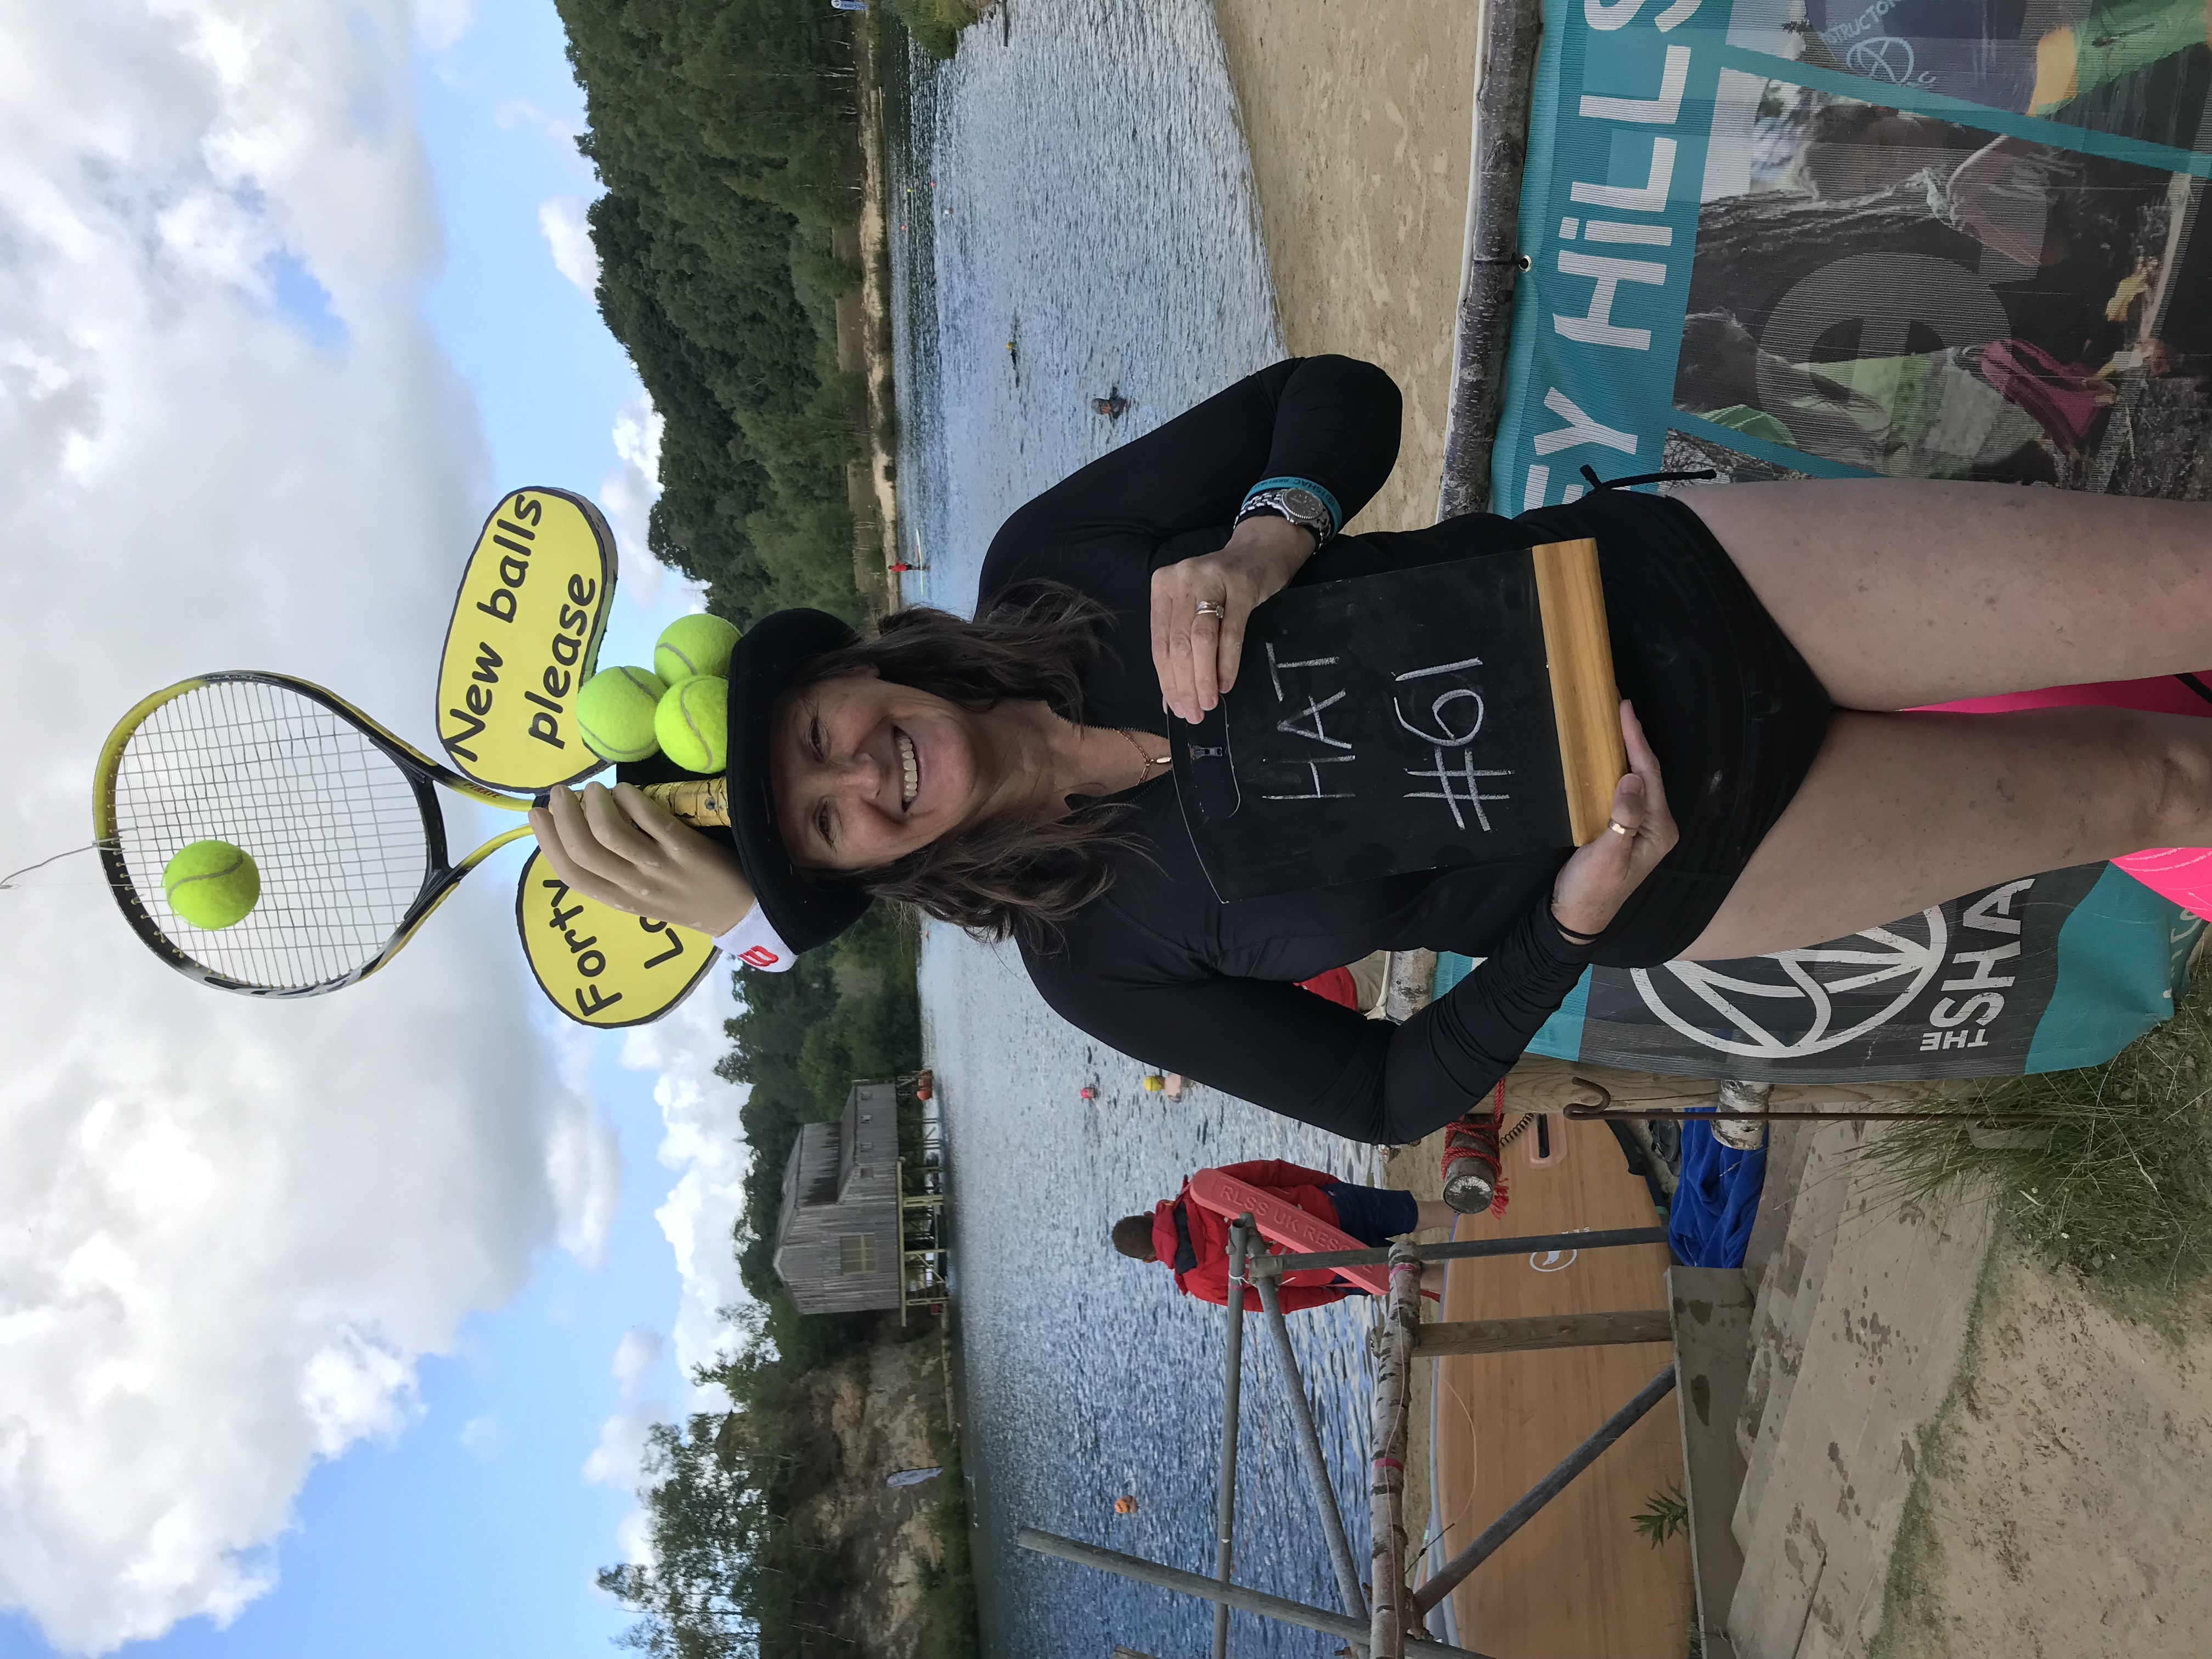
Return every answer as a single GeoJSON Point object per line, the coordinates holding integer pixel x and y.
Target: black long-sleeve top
{"type": "Point", "coordinates": [1160, 967]}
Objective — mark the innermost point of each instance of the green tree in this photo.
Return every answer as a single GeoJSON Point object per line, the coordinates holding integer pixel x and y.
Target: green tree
{"type": "Point", "coordinates": [726, 135]}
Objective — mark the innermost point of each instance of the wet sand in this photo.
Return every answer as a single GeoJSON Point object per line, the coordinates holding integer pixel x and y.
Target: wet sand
{"type": "Point", "coordinates": [1360, 123]}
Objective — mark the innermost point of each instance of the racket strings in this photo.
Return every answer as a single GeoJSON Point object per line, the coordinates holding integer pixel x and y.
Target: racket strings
{"type": "Point", "coordinates": [332, 823]}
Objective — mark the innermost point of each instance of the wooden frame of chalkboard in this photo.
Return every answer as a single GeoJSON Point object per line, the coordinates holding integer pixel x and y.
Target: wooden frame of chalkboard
{"type": "Point", "coordinates": [1415, 720]}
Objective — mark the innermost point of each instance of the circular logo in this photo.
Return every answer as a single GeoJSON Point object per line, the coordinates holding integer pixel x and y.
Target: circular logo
{"type": "Point", "coordinates": [1885, 58]}
{"type": "Point", "coordinates": [1552, 1261]}
{"type": "Point", "coordinates": [1797, 1003]}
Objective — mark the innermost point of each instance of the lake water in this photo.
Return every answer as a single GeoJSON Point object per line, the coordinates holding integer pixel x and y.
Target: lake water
{"type": "Point", "coordinates": [1075, 184]}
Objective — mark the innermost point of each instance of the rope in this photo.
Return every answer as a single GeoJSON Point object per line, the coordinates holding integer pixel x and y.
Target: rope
{"type": "Point", "coordinates": [9, 881]}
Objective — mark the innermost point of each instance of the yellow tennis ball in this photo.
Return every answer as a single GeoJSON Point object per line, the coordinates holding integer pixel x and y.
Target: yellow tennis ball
{"type": "Point", "coordinates": [212, 884]}
{"type": "Point", "coordinates": [694, 645]}
{"type": "Point", "coordinates": [693, 723]}
{"type": "Point", "coordinates": [615, 711]}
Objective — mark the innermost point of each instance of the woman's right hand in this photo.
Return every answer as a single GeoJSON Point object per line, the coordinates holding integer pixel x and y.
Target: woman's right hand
{"type": "Point", "coordinates": [1593, 884]}
{"type": "Point", "coordinates": [1196, 655]}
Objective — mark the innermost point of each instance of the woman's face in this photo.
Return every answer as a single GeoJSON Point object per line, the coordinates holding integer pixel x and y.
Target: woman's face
{"type": "Point", "coordinates": [866, 772]}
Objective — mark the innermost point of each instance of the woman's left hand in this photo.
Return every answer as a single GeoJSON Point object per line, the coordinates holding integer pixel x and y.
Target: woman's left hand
{"type": "Point", "coordinates": [1196, 656]}
{"type": "Point", "coordinates": [622, 847]}
{"type": "Point", "coordinates": [1593, 884]}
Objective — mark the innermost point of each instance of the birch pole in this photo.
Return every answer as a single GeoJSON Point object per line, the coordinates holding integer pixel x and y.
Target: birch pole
{"type": "Point", "coordinates": [1387, 1489]}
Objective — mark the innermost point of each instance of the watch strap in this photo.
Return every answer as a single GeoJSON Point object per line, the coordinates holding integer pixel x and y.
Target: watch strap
{"type": "Point", "coordinates": [1327, 497]}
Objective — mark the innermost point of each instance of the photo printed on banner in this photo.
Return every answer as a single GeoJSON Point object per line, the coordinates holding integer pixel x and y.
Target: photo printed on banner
{"type": "Point", "coordinates": [1887, 292]}
{"type": "Point", "coordinates": [2132, 69]}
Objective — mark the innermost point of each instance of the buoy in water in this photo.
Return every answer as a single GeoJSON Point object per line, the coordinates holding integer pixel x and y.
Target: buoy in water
{"type": "Point", "coordinates": [1154, 1083]}
{"type": "Point", "coordinates": [1125, 1505]}
{"type": "Point", "coordinates": [1087, 1092]}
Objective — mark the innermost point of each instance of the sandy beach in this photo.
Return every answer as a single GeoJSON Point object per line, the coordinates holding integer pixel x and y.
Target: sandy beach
{"type": "Point", "coordinates": [1360, 122]}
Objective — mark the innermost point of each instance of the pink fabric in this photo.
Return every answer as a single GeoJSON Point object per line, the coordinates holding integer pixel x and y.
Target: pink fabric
{"type": "Point", "coordinates": [2056, 395]}
{"type": "Point", "coordinates": [2183, 874]}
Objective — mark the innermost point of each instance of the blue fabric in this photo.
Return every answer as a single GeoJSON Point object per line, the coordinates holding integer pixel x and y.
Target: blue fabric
{"type": "Point", "coordinates": [1709, 1223]}
{"type": "Point", "coordinates": [1373, 1215]}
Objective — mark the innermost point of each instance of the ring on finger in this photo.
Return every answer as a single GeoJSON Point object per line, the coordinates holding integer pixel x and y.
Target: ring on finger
{"type": "Point", "coordinates": [1619, 828]}
{"type": "Point", "coordinates": [1208, 608]}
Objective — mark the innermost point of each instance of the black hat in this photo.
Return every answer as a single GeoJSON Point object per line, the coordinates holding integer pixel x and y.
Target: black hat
{"type": "Point", "coordinates": [804, 910]}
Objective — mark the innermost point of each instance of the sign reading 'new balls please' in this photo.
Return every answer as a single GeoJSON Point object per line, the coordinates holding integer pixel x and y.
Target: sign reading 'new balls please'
{"type": "Point", "coordinates": [523, 639]}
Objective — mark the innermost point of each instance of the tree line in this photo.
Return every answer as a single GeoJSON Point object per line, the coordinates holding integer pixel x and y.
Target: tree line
{"type": "Point", "coordinates": [733, 1571]}
{"type": "Point", "coordinates": [727, 139]}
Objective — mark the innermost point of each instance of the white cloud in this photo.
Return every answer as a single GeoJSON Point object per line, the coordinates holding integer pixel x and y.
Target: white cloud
{"type": "Point", "coordinates": [636, 1354]}
{"type": "Point", "coordinates": [618, 1459]}
{"type": "Point", "coordinates": [583, 1170]}
{"type": "Point", "coordinates": [234, 1227]}
{"type": "Point", "coordinates": [560, 218]}
{"type": "Point", "coordinates": [440, 24]}
{"type": "Point", "coordinates": [484, 1437]}
{"type": "Point", "coordinates": [628, 495]}
{"type": "Point", "coordinates": [703, 1139]}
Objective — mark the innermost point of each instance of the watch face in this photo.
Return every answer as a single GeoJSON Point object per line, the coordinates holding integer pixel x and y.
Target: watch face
{"type": "Point", "coordinates": [1305, 504]}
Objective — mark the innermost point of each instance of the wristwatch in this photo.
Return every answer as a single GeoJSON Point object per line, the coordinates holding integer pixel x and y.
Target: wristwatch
{"type": "Point", "coordinates": [1300, 505]}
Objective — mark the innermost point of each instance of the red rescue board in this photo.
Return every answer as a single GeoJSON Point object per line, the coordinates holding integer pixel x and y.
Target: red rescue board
{"type": "Point", "coordinates": [1281, 1222]}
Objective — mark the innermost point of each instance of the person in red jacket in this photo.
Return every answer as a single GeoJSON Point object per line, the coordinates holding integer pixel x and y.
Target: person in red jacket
{"type": "Point", "coordinates": [1192, 1242]}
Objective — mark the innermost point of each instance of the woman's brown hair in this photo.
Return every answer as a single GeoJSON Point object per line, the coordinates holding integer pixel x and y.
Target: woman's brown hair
{"type": "Point", "coordinates": [1005, 877]}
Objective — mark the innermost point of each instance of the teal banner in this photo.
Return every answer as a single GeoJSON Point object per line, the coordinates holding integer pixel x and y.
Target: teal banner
{"type": "Point", "coordinates": [1949, 238]}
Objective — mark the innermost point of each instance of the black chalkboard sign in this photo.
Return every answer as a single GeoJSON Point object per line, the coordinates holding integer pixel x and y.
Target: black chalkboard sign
{"type": "Point", "coordinates": [1403, 721]}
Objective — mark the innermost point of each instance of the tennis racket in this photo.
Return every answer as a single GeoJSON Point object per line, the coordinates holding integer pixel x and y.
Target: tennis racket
{"type": "Point", "coordinates": [340, 816]}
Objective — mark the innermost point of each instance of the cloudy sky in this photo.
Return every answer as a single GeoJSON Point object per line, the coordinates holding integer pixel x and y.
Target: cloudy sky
{"type": "Point", "coordinates": [329, 1327]}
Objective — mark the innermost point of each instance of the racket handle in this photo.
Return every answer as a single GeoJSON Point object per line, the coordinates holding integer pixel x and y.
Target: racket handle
{"type": "Point", "coordinates": [703, 801]}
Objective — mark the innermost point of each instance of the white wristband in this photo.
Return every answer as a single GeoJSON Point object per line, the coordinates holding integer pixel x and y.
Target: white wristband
{"type": "Point", "coordinates": [757, 945]}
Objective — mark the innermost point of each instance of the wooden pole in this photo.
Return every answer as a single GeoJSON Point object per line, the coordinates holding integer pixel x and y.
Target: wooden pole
{"type": "Point", "coordinates": [1543, 1492]}
{"type": "Point", "coordinates": [1386, 1514]}
{"type": "Point", "coordinates": [1236, 1596]}
{"type": "Point", "coordinates": [1511, 31]}
{"type": "Point", "coordinates": [1592, 1330]}
{"type": "Point", "coordinates": [1224, 1507]}
{"type": "Point", "coordinates": [1311, 1454]}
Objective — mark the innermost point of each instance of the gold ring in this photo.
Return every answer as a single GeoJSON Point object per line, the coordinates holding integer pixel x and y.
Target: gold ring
{"type": "Point", "coordinates": [1618, 829]}
{"type": "Point", "coordinates": [1208, 608]}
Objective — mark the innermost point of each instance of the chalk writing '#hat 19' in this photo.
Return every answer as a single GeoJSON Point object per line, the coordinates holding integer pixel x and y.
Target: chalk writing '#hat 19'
{"type": "Point", "coordinates": [796, 911]}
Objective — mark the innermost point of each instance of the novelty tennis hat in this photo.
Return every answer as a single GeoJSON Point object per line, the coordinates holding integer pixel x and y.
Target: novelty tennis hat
{"type": "Point", "coordinates": [797, 911]}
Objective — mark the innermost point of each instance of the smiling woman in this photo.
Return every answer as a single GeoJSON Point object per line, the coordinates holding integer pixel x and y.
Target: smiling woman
{"type": "Point", "coordinates": [1007, 773]}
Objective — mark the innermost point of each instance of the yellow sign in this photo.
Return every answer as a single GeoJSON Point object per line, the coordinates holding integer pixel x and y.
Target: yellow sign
{"type": "Point", "coordinates": [603, 966]}
{"type": "Point", "coordinates": [523, 641]}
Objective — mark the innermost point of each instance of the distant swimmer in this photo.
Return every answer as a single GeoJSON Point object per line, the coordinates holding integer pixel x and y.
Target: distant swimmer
{"type": "Point", "coordinates": [1125, 1505]}
{"type": "Point", "coordinates": [1113, 405]}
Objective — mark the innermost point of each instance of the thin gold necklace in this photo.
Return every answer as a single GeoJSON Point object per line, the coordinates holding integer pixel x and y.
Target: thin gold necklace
{"type": "Point", "coordinates": [1164, 760]}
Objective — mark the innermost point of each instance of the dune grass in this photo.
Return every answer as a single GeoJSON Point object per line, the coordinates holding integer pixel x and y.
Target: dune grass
{"type": "Point", "coordinates": [2119, 1189]}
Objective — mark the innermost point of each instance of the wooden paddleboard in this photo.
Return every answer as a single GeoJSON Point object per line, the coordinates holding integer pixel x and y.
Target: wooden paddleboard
{"type": "Point", "coordinates": [1578, 1579]}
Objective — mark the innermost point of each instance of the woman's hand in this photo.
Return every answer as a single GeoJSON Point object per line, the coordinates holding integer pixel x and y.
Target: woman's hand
{"type": "Point", "coordinates": [624, 848]}
{"type": "Point", "coordinates": [1196, 656]}
{"type": "Point", "coordinates": [1596, 881]}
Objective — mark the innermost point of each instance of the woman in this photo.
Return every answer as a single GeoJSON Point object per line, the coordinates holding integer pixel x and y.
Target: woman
{"type": "Point", "coordinates": [1008, 776]}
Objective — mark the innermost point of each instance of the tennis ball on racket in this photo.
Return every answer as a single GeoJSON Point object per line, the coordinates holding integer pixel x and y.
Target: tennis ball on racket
{"type": "Point", "coordinates": [692, 646]}
{"type": "Point", "coordinates": [614, 712]}
{"type": "Point", "coordinates": [212, 884]}
{"type": "Point", "coordinates": [693, 723]}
